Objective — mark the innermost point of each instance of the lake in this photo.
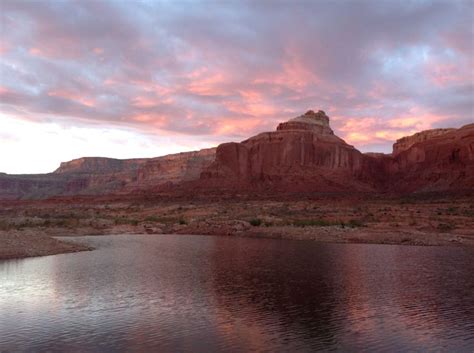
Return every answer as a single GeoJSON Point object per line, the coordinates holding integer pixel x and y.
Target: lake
{"type": "Point", "coordinates": [179, 293]}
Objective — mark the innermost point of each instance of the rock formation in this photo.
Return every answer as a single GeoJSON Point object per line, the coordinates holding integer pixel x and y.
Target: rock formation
{"type": "Point", "coordinates": [302, 154]}
{"type": "Point", "coordinates": [316, 122]}
{"type": "Point", "coordinates": [99, 165]}
{"type": "Point", "coordinates": [175, 168]}
{"type": "Point", "coordinates": [433, 160]}
{"type": "Point", "coordinates": [406, 142]}
{"type": "Point", "coordinates": [98, 176]}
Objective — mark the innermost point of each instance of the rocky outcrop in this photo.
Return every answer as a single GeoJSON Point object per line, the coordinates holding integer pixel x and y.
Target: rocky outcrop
{"type": "Point", "coordinates": [99, 176]}
{"type": "Point", "coordinates": [406, 142]}
{"type": "Point", "coordinates": [301, 155]}
{"type": "Point", "coordinates": [316, 122]}
{"type": "Point", "coordinates": [441, 159]}
{"type": "Point", "coordinates": [175, 168]}
{"type": "Point", "coordinates": [99, 165]}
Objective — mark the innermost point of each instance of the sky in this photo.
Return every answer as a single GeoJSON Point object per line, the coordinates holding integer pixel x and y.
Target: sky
{"type": "Point", "coordinates": [130, 79]}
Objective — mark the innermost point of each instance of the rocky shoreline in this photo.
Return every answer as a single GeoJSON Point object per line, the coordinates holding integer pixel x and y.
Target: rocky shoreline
{"type": "Point", "coordinates": [26, 244]}
{"type": "Point", "coordinates": [17, 245]}
{"type": "Point", "coordinates": [28, 228]}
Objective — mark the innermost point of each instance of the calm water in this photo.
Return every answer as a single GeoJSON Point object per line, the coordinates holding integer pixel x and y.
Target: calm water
{"type": "Point", "coordinates": [205, 294]}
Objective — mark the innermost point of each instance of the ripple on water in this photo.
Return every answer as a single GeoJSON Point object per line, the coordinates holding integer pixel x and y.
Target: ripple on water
{"type": "Point", "coordinates": [190, 293]}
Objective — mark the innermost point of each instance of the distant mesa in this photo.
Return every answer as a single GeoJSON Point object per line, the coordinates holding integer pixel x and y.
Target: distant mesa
{"type": "Point", "coordinates": [302, 155]}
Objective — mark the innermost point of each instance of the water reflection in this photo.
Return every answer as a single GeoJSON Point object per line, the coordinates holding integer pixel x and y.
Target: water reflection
{"type": "Point", "coordinates": [189, 293]}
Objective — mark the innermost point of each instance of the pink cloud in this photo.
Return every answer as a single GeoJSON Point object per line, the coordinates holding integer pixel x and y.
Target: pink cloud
{"type": "Point", "coordinates": [87, 101]}
{"type": "Point", "coordinates": [188, 70]}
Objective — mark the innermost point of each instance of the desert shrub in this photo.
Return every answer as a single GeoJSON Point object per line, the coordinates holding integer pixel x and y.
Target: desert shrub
{"type": "Point", "coordinates": [445, 227]}
{"type": "Point", "coordinates": [119, 221]}
{"type": "Point", "coordinates": [255, 222]}
{"type": "Point", "coordinates": [355, 223]}
{"type": "Point", "coordinates": [163, 219]}
{"type": "Point", "coordinates": [4, 225]}
{"type": "Point", "coordinates": [311, 223]}
{"type": "Point", "coordinates": [182, 221]}
{"type": "Point", "coordinates": [152, 219]}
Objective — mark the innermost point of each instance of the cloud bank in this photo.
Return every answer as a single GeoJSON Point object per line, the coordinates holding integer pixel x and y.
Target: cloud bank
{"type": "Point", "coordinates": [208, 72]}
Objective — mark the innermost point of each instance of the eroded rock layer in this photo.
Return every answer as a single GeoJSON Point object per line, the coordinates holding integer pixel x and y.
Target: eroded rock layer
{"type": "Point", "coordinates": [99, 176]}
{"type": "Point", "coordinates": [303, 154]}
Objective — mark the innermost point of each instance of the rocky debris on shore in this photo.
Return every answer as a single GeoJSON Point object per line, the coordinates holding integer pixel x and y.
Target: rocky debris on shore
{"type": "Point", "coordinates": [20, 244]}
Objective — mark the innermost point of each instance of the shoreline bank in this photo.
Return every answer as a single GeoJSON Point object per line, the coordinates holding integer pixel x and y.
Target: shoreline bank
{"type": "Point", "coordinates": [17, 245]}
{"type": "Point", "coordinates": [31, 243]}
{"type": "Point", "coordinates": [26, 227]}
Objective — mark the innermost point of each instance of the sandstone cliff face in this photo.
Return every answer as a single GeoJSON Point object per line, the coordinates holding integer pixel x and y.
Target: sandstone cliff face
{"type": "Point", "coordinates": [440, 159]}
{"type": "Point", "coordinates": [98, 176]}
{"type": "Point", "coordinates": [310, 121]}
{"type": "Point", "coordinates": [99, 165]}
{"type": "Point", "coordinates": [303, 154]}
{"type": "Point", "coordinates": [175, 168]}
{"type": "Point", "coordinates": [405, 143]}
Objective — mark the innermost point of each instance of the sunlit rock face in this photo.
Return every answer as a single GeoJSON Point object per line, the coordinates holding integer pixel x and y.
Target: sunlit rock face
{"type": "Point", "coordinates": [302, 154]}
{"type": "Point", "coordinates": [99, 176]}
{"type": "Point", "coordinates": [316, 122]}
{"type": "Point", "coordinates": [95, 165]}
{"type": "Point", "coordinates": [441, 159]}
{"type": "Point", "coordinates": [406, 142]}
{"type": "Point", "coordinates": [175, 168]}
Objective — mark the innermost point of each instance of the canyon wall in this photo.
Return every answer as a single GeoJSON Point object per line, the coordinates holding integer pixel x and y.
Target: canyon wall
{"type": "Point", "coordinates": [99, 176]}
{"type": "Point", "coordinates": [302, 154]}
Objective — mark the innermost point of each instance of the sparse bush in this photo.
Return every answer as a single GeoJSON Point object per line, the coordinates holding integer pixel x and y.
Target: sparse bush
{"type": "Point", "coordinates": [255, 222]}
{"type": "Point", "coordinates": [311, 223]}
{"type": "Point", "coordinates": [182, 221]}
{"type": "Point", "coordinates": [152, 219]}
{"type": "Point", "coordinates": [4, 225]}
{"type": "Point", "coordinates": [355, 223]}
{"type": "Point", "coordinates": [119, 221]}
{"type": "Point", "coordinates": [445, 227]}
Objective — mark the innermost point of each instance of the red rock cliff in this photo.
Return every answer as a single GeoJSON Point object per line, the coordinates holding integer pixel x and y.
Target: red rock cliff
{"type": "Point", "coordinates": [434, 160]}
{"type": "Point", "coordinates": [302, 154]}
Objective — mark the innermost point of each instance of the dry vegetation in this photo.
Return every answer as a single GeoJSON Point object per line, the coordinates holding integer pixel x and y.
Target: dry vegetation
{"type": "Point", "coordinates": [412, 220]}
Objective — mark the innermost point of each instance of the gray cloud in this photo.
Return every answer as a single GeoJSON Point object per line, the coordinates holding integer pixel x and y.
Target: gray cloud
{"type": "Point", "coordinates": [236, 68]}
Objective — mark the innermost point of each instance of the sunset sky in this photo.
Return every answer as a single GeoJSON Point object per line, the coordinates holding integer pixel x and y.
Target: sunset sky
{"type": "Point", "coordinates": [131, 79]}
